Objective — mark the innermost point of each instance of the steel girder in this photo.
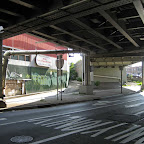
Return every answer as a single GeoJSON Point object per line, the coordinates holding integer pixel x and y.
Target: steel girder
{"type": "Point", "coordinates": [45, 22]}
{"type": "Point", "coordinates": [118, 27]}
{"type": "Point", "coordinates": [61, 41]}
{"type": "Point", "coordinates": [95, 33]}
{"type": "Point", "coordinates": [140, 9]}
{"type": "Point", "coordinates": [75, 36]}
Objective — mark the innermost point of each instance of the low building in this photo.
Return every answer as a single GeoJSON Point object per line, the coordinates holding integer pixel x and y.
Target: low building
{"type": "Point", "coordinates": [135, 70]}
{"type": "Point", "coordinates": [33, 73]}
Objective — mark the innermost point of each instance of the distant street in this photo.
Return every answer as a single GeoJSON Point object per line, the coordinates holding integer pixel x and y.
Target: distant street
{"type": "Point", "coordinates": [113, 120]}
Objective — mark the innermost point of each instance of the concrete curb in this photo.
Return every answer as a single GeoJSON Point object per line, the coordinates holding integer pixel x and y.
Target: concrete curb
{"type": "Point", "coordinates": [44, 105]}
{"type": "Point", "coordinates": [30, 94]}
{"type": "Point", "coordinates": [56, 104]}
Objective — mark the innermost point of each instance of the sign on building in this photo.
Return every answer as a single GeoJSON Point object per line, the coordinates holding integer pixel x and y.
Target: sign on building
{"type": "Point", "coordinates": [42, 60]}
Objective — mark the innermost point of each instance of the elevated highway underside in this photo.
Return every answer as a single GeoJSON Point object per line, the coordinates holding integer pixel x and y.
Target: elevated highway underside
{"type": "Point", "coordinates": [109, 32]}
{"type": "Point", "coordinates": [109, 27]}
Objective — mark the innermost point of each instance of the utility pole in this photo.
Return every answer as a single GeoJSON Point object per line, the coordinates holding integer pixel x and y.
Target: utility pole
{"type": "Point", "coordinates": [121, 69]}
{"type": "Point", "coordinates": [59, 65]}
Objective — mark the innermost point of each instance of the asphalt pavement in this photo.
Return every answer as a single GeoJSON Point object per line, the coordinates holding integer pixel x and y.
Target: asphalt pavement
{"type": "Point", "coordinates": [113, 120]}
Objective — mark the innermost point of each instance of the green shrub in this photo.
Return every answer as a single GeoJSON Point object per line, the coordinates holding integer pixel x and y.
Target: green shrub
{"type": "Point", "coordinates": [79, 79]}
{"type": "Point", "coordinates": [73, 73]}
{"type": "Point", "coordinates": [139, 83]}
{"type": "Point", "coordinates": [97, 83]}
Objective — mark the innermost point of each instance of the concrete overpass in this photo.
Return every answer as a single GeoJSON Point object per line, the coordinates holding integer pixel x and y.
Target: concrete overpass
{"type": "Point", "coordinates": [105, 30]}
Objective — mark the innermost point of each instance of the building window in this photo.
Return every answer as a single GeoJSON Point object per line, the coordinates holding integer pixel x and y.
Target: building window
{"type": "Point", "coordinates": [14, 57]}
{"type": "Point", "coordinates": [27, 58]}
{"type": "Point", "coordinates": [22, 57]}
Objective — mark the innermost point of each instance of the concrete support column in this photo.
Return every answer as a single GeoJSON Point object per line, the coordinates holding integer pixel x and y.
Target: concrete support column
{"type": "Point", "coordinates": [86, 88]}
{"type": "Point", "coordinates": [83, 69]}
{"type": "Point", "coordinates": [142, 87]}
{"type": "Point", "coordinates": [91, 74]}
{"type": "Point", "coordinates": [121, 69]}
{"type": "Point", "coordinates": [87, 70]}
{"type": "Point", "coordinates": [1, 94]}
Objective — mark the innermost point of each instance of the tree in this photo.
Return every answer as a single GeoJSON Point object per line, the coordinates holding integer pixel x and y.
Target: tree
{"type": "Point", "coordinates": [73, 73]}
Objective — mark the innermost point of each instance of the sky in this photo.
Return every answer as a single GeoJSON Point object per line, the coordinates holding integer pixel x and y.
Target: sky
{"type": "Point", "coordinates": [137, 64]}
{"type": "Point", "coordinates": [76, 57]}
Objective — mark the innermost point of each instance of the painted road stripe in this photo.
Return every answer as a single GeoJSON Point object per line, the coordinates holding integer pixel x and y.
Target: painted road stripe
{"type": "Point", "coordinates": [70, 133]}
{"type": "Point", "coordinates": [111, 102]}
{"type": "Point", "coordinates": [138, 113]}
{"type": "Point", "coordinates": [130, 136]}
{"type": "Point", "coordinates": [12, 122]}
{"type": "Point", "coordinates": [71, 123]}
{"type": "Point", "coordinates": [134, 105]}
{"type": "Point", "coordinates": [1, 119]}
{"type": "Point", "coordinates": [123, 132]}
{"type": "Point", "coordinates": [70, 112]}
{"type": "Point", "coordinates": [43, 121]}
{"type": "Point", "coordinates": [67, 113]}
{"type": "Point", "coordinates": [101, 131]}
{"type": "Point", "coordinates": [104, 102]}
{"type": "Point", "coordinates": [63, 122]}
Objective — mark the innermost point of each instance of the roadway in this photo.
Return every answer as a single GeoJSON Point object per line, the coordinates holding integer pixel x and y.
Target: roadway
{"type": "Point", "coordinates": [109, 121]}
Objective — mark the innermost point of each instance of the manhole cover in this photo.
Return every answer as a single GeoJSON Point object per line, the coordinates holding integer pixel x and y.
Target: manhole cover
{"type": "Point", "coordinates": [21, 139]}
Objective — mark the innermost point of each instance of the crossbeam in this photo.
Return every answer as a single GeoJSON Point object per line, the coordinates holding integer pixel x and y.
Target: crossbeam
{"type": "Point", "coordinates": [139, 7]}
{"type": "Point", "coordinates": [75, 36]}
{"type": "Point", "coordinates": [61, 41]}
{"type": "Point", "coordinates": [118, 27]}
{"type": "Point", "coordinates": [95, 33]}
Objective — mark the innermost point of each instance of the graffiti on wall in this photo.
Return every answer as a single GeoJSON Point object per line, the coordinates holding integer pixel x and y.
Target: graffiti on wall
{"type": "Point", "coordinates": [48, 80]}
{"type": "Point", "coordinates": [37, 79]}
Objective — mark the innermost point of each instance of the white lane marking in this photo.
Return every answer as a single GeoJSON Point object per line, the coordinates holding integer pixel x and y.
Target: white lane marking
{"type": "Point", "coordinates": [129, 136]}
{"type": "Point", "coordinates": [140, 141]}
{"type": "Point", "coordinates": [76, 122]}
{"type": "Point", "coordinates": [107, 129]}
{"type": "Point", "coordinates": [123, 132]}
{"type": "Point", "coordinates": [123, 102]}
{"type": "Point", "coordinates": [118, 103]}
{"type": "Point", "coordinates": [43, 121]}
{"type": "Point", "coordinates": [35, 120]}
{"type": "Point", "coordinates": [68, 133]}
{"type": "Point", "coordinates": [67, 113]}
{"type": "Point", "coordinates": [138, 113]}
{"type": "Point", "coordinates": [63, 115]}
{"type": "Point", "coordinates": [12, 122]}
{"type": "Point", "coordinates": [104, 102]}
{"type": "Point", "coordinates": [134, 105]}
{"type": "Point", "coordinates": [75, 125]}
{"type": "Point", "coordinates": [93, 125]}
{"type": "Point", "coordinates": [62, 122]}
{"type": "Point", "coordinates": [54, 137]}
{"type": "Point", "coordinates": [103, 130]}
{"type": "Point", "coordinates": [27, 120]}
{"type": "Point", "coordinates": [1, 119]}
{"type": "Point", "coordinates": [65, 120]}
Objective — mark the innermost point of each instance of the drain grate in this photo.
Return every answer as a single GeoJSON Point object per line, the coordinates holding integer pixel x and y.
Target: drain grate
{"type": "Point", "coordinates": [21, 139]}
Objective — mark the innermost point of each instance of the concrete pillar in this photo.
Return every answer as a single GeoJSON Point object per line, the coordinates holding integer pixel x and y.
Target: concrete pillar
{"type": "Point", "coordinates": [86, 88]}
{"type": "Point", "coordinates": [1, 94]}
{"type": "Point", "coordinates": [91, 74]}
{"type": "Point", "coordinates": [83, 69]}
{"type": "Point", "coordinates": [142, 87]}
{"type": "Point", "coordinates": [87, 70]}
{"type": "Point", "coordinates": [121, 69]}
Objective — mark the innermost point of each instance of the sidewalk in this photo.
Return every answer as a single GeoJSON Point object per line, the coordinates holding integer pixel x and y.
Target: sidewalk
{"type": "Point", "coordinates": [70, 95]}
